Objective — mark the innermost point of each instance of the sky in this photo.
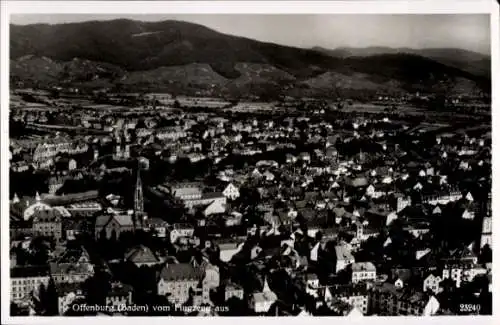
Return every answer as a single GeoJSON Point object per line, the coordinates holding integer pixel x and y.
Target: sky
{"type": "Point", "coordinates": [465, 31]}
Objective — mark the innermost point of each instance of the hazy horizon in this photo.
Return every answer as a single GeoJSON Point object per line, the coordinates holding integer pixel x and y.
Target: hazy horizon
{"type": "Point", "coordinates": [418, 31]}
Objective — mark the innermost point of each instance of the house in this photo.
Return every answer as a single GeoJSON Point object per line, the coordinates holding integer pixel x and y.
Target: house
{"type": "Point", "coordinates": [364, 231]}
{"type": "Point", "coordinates": [141, 255]}
{"type": "Point", "coordinates": [401, 277]}
{"type": "Point", "coordinates": [313, 254]}
{"type": "Point", "coordinates": [231, 192]}
{"type": "Point", "coordinates": [113, 225]}
{"type": "Point", "coordinates": [83, 209]}
{"type": "Point", "coordinates": [48, 222]}
{"type": "Point", "coordinates": [305, 156]}
{"type": "Point", "coordinates": [462, 272]}
{"type": "Point", "coordinates": [402, 203]}
{"type": "Point", "coordinates": [215, 207]}
{"type": "Point", "coordinates": [210, 281]}
{"type": "Point", "coordinates": [312, 284]}
{"type": "Point", "coordinates": [73, 228]}
{"type": "Point", "coordinates": [431, 282]}
{"type": "Point", "coordinates": [178, 281]}
{"type": "Point", "coordinates": [25, 280]}
{"type": "Point", "coordinates": [55, 183]}
{"type": "Point", "coordinates": [262, 301]}
{"type": "Point", "coordinates": [442, 198]}
{"type": "Point", "coordinates": [62, 272]}
{"type": "Point", "coordinates": [205, 199]}
{"type": "Point", "coordinates": [185, 191]}
{"type": "Point", "coordinates": [290, 159]}
{"type": "Point", "coordinates": [343, 258]}
{"type": "Point", "coordinates": [158, 226]}
{"type": "Point", "coordinates": [417, 229]}
{"type": "Point", "coordinates": [170, 133]}
{"type": "Point", "coordinates": [363, 271]}
{"type": "Point", "coordinates": [228, 250]}
{"type": "Point", "coordinates": [376, 191]}
{"type": "Point", "coordinates": [67, 294]}
{"type": "Point", "coordinates": [387, 300]}
{"type": "Point", "coordinates": [180, 230]}
{"type": "Point", "coordinates": [354, 295]}
{"type": "Point", "coordinates": [232, 290]}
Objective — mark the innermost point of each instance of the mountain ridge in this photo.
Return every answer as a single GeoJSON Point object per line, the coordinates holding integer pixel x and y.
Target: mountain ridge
{"type": "Point", "coordinates": [154, 54]}
{"type": "Point", "coordinates": [474, 62]}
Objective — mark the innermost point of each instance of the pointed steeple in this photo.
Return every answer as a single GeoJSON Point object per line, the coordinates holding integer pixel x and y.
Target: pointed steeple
{"type": "Point", "coordinates": [138, 196]}
{"type": "Point", "coordinates": [266, 286]}
{"type": "Point", "coordinates": [15, 199]}
{"type": "Point", "coordinates": [37, 197]}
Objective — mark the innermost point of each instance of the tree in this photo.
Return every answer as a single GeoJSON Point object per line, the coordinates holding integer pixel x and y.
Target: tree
{"type": "Point", "coordinates": [486, 254]}
{"type": "Point", "coordinates": [50, 300]}
{"type": "Point", "coordinates": [14, 309]}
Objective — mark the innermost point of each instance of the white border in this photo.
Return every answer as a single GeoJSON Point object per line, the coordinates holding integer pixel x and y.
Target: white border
{"type": "Point", "coordinates": [9, 7]}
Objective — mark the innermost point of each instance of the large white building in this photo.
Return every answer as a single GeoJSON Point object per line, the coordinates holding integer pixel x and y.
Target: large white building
{"type": "Point", "coordinates": [363, 271]}
{"type": "Point", "coordinates": [231, 192]}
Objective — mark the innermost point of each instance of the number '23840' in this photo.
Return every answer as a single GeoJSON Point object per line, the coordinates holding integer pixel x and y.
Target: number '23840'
{"type": "Point", "coordinates": [470, 308]}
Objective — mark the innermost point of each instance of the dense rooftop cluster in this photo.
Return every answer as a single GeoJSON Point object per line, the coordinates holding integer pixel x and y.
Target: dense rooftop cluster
{"type": "Point", "coordinates": [248, 209]}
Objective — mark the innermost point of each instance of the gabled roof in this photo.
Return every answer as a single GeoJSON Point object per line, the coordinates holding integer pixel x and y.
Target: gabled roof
{"type": "Point", "coordinates": [141, 254]}
{"type": "Point", "coordinates": [181, 272]}
{"type": "Point", "coordinates": [403, 274]}
{"type": "Point", "coordinates": [123, 220]}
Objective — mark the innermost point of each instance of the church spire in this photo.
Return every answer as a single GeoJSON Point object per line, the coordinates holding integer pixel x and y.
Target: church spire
{"type": "Point", "coordinates": [15, 199]}
{"type": "Point", "coordinates": [138, 196]}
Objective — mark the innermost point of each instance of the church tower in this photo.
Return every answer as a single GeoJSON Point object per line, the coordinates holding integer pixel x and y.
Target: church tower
{"type": "Point", "coordinates": [139, 199]}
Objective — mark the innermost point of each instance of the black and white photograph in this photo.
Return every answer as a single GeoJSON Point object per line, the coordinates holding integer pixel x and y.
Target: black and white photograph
{"type": "Point", "coordinates": [233, 164]}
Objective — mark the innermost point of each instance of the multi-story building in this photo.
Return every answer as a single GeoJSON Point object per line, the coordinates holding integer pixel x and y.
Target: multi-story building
{"type": "Point", "coordinates": [26, 280]}
{"type": "Point", "coordinates": [461, 272]}
{"type": "Point", "coordinates": [171, 133]}
{"type": "Point", "coordinates": [442, 198]}
{"type": "Point", "coordinates": [84, 209]}
{"type": "Point", "coordinates": [119, 295]}
{"type": "Point", "coordinates": [231, 192]}
{"type": "Point", "coordinates": [71, 272]}
{"type": "Point", "coordinates": [192, 195]}
{"type": "Point", "coordinates": [50, 149]}
{"type": "Point", "coordinates": [431, 282]}
{"type": "Point", "coordinates": [178, 281]}
{"type": "Point", "coordinates": [388, 300]}
{"type": "Point", "coordinates": [210, 281]}
{"type": "Point", "coordinates": [354, 295]}
{"type": "Point", "coordinates": [363, 271]}
{"type": "Point", "coordinates": [180, 230]}
{"type": "Point", "coordinates": [233, 290]}
{"type": "Point", "coordinates": [48, 222]}
{"type": "Point", "coordinates": [67, 294]}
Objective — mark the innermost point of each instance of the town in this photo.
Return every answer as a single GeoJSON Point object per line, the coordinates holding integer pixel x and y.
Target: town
{"type": "Point", "coordinates": [153, 204]}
